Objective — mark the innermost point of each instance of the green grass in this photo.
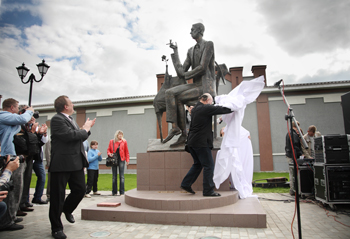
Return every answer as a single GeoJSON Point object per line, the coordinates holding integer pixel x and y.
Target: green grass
{"type": "Point", "coordinates": [105, 182]}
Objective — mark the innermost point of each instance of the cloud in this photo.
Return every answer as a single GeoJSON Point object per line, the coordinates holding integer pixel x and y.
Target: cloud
{"type": "Point", "coordinates": [107, 49]}
{"type": "Point", "coordinates": [324, 75]}
{"type": "Point", "coordinates": [306, 26]}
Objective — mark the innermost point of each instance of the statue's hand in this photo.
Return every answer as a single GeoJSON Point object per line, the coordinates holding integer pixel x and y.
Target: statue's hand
{"type": "Point", "coordinates": [173, 46]}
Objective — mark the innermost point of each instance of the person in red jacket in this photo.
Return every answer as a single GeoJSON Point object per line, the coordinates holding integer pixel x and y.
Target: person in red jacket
{"type": "Point", "coordinates": [121, 149]}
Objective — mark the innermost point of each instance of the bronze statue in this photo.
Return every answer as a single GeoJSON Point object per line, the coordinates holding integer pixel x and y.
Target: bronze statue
{"type": "Point", "coordinates": [176, 92]}
{"type": "Point", "coordinates": [159, 100]}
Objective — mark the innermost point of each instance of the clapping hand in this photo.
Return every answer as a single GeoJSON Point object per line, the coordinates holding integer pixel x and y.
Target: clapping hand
{"type": "Point", "coordinates": [34, 127]}
{"type": "Point", "coordinates": [42, 129]}
{"type": "Point", "coordinates": [88, 124]}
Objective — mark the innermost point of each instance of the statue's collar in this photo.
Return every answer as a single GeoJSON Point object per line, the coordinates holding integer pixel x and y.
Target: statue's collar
{"type": "Point", "coordinates": [200, 42]}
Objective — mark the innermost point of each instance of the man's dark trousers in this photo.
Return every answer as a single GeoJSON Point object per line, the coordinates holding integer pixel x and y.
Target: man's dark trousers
{"type": "Point", "coordinates": [202, 159]}
{"type": "Point", "coordinates": [59, 180]}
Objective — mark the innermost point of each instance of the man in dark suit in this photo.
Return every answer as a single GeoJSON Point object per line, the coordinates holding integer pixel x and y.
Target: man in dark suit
{"type": "Point", "coordinates": [68, 160]}
{"type": "Point", "coordinates": [200, 143]}
{"type": "Point", "coordinates": [202, 59]}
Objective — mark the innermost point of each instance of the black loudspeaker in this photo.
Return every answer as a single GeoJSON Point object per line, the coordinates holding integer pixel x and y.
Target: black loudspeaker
{"type": "Point", "coordinates": [332, 182]}
{"type": "Point", "coordinates": [332, 149]}
{"type": "Point", "coordinates": [345, 103]}
{"type": "Point", "coordinates": [305, 179]}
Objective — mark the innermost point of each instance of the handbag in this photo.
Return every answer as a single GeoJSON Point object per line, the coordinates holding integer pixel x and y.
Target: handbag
{"type": "Point", "coordinates": [112, 161]}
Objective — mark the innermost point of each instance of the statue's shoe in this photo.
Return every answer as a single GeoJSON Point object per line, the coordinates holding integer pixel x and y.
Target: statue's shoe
{"type": "Point", "coordinates": [172, 133]}
{"type": "Point", "coordinates": [181, 140]}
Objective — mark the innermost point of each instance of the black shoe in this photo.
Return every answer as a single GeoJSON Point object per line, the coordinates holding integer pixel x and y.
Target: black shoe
{"type": "Point", "coordinates": [20, 213]}
{"type": "Point", "coordinates": [39, 201]}
{"type": "Point", "coordinates": [213, 194]}
{"type": "Point", "coordinates": [13, 227]}
{"type": "Point", "coordinates": [58, 235]}
{"type": "Point", "coordinates": [28, 204]}
{"type": "Point", "coordinates": [188, 189]}
{"type": "Point", "coordinates": [18, 219]}
{"type": "Point", "coordinates": [69, 217]}
{"type": "Point", "coordinates": [27, 209]}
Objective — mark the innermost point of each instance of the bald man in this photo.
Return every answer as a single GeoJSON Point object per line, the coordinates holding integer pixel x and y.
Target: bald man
{"type": "Point", "coordinates": [200, 144]}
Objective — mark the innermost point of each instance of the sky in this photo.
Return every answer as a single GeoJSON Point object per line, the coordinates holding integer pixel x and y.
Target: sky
{"type": "Point", "coordinates": [110, 48]}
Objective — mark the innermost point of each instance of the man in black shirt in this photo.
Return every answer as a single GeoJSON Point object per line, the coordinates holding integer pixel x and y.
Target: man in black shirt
{"type": "Point", "coordinates": [200, 143]}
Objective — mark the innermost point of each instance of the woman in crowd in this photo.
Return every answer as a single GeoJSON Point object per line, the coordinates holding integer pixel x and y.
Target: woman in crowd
{"type": "Point", "coordinates": [121, 149]}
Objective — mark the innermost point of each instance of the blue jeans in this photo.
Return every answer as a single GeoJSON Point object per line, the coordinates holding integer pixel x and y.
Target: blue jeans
{"type": "Point", "coordinates": [39, 170]}
{"type": "Point", "coordinates": [121, 165]}
{"type": "Point", "coordinates": [202, 159]}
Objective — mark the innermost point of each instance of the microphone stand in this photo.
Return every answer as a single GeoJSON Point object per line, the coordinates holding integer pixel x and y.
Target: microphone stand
{"type": "Point", "coordinates": [291, 118]}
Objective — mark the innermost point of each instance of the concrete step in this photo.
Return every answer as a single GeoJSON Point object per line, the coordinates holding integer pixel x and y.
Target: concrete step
{"type": "Point", "coordinates": [246, 213]}
{"type": "Point", "coordinates": [178, 200]}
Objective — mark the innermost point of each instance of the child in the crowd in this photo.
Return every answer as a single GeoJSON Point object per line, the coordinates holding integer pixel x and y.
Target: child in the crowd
{"type": "Point", "coordinates": [94, 156]}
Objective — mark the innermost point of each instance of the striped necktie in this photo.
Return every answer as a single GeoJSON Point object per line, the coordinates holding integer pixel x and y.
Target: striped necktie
{"type": "Point", "coordinates": [73, 122]}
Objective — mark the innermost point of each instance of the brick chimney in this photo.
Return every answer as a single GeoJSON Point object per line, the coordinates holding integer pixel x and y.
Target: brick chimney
{"type": "Point", "coordinates": [236, 76]}
{"type": "Point", "coordinates": [259, 71]}
{"type": "Point", "coordinates": [160, 81]}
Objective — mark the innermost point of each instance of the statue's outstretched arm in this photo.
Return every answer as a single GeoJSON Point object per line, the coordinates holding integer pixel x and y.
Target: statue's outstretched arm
{"type": "Point", "coordinates": [176, 61]}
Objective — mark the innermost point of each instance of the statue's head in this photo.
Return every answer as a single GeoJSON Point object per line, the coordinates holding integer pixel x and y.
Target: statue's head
{"type": "Point", "coordinates": [197, 30]}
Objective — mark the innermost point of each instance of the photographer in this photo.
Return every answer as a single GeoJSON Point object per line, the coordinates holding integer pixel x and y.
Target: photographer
{"type": "Point", "coordinates": [10, 122]}
{"type": "Point", "coordinates": [4, 180]}
{"type": "Point", "coordinates": [36, 137]}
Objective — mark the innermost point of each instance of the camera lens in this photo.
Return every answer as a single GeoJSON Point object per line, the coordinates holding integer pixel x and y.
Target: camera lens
{"type": "Point", "coordinates": [36, 114]}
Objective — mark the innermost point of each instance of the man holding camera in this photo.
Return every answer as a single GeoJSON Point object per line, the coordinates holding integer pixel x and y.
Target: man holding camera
{"type": "Point", "coordinates": [10, 124]}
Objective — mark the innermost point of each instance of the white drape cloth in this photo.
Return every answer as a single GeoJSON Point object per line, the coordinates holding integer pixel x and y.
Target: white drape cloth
{"type": "Point", "coordinates": [236, 154]}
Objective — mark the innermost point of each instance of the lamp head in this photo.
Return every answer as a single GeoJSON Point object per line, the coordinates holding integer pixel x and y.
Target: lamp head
{"type": "Point", "coordinates": [43, 68]}
{"type": "Point", "coordinates": [22, 71]}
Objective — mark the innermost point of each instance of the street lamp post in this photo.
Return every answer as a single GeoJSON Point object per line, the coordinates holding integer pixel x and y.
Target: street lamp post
{"type": "Point", "coordinates": [22, 72]}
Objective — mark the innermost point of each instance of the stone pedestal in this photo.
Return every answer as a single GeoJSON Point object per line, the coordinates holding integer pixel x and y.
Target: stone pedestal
{"type": "Point", "coordinates": [159, 199]}
{"type": "Point", "coordinates": [163, 167]}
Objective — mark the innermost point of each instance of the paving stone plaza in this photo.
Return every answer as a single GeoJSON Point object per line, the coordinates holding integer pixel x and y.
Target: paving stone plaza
{"type": "Point", "coordinates": [279, 210]}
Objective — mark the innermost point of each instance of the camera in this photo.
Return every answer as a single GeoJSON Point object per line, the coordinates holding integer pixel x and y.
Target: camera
{"type": "Point", "coordinates": [35, 115]}
{"type": "Point", "coordinates": [8, 186]}
{"type": "Point", "coordinates": [3, 160]}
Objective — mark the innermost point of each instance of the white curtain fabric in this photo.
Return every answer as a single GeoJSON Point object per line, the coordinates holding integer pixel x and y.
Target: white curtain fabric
{"type": "Point", "coordinates": [236, 154]}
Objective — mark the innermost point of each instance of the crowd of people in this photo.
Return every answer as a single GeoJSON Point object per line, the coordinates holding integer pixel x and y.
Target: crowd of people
{"type": "Point", "coordinates": [67, 155]}
{"type": "Point", "coordinates": [15, 123]}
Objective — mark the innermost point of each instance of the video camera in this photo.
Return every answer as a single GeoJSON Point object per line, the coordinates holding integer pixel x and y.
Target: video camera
{"type": "Point", "coordinates": [3, 160]}
{"type": "Point", "coordinates": [35, 115]}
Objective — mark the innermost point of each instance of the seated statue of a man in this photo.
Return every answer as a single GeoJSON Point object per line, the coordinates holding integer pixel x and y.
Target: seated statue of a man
{"type": "Point", "coordinates": [201, 58]}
